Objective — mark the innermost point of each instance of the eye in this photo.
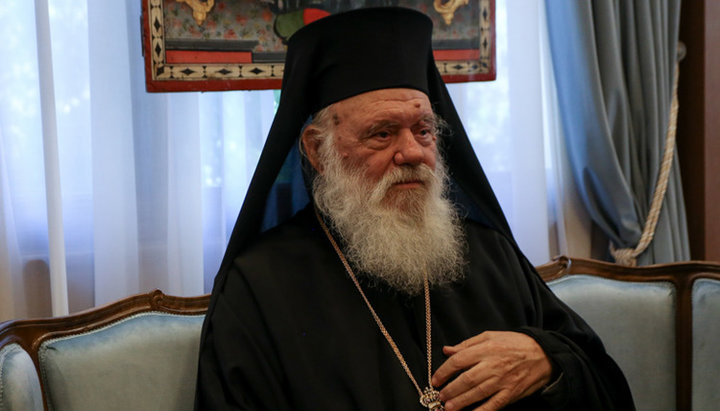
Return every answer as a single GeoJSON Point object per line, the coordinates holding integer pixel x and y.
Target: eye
{"type": "Point", "coordinates": [382, 135]}
{"type": "Point", "coordinates": [425, 134]}
{"type": "Point", "coordinates": [379, 138]}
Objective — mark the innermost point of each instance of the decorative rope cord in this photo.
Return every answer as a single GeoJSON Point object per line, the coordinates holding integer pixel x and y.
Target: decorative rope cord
{"type": "Point", "coordinates": [628, 256]}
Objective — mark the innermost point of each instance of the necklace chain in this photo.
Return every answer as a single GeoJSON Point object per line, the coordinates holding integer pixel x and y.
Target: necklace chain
{"type": "Point", "coordinates": [429, 397]}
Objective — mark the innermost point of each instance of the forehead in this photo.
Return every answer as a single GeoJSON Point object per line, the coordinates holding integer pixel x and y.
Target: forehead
{"type": "Point", "coordinates": [378, 104]}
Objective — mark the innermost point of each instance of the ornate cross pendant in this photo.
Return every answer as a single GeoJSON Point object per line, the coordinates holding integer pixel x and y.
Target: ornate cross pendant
{"type": "Point", "coordinates": [430, 399]}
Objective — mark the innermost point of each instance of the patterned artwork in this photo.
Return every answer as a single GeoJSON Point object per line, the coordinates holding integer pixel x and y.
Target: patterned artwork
{"type": "Point", "coordinates": [206, 45]}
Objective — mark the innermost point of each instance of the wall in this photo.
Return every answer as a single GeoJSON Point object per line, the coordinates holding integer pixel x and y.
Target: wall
{"type": "Point", "coordinates": [699, 125]}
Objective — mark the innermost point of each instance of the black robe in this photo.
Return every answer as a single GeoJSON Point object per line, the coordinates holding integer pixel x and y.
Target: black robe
{"type": "Point", "coordinates": [289, 330]}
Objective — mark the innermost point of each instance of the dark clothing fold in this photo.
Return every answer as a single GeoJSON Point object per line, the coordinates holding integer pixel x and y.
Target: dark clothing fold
{"type": "Point", "coordinates": [287, 330]}
{"type": "Point", "coordinates": [290, 332]}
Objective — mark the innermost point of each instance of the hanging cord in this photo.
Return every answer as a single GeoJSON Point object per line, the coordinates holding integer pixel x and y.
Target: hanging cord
{"type": "Point", "coordinates": [628, 256]}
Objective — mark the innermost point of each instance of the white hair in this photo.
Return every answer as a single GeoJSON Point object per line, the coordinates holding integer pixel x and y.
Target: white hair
{"type": "Point", "coordinates": [395, 242]}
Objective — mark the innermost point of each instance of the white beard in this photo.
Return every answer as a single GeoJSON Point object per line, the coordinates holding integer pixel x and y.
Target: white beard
{"type": "Point", "coordinates": [393, 237]}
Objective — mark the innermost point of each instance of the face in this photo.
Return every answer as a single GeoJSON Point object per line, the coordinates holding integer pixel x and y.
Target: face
{"type": "Point", "coordinates": [381, 184]}
{"type": "Point", "coordinates": [381, 130]}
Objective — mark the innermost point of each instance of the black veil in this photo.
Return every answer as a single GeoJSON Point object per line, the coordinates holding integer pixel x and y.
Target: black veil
{"type": "Point", "coordinates": [335, 58]}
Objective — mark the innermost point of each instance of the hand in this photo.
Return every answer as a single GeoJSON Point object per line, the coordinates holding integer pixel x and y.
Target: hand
{"type": "Point", "coordinates": [499, 366]}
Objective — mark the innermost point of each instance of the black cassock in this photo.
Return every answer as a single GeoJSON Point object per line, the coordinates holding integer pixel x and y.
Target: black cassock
{"type": "Point", "coordinates": [286, 328]}
{"type": "Point", "coordinates": [290, 331]}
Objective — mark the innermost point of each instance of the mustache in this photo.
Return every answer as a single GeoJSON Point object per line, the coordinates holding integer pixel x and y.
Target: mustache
{"type": "Point", "coordinates": [406, 174]}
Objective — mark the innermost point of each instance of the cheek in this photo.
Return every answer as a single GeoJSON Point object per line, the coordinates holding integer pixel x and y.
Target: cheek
{"type": "Point", "coordinates": [430, 157]}
{"type": "Point", "coordinates": [376, 167]}
{"type": "Point", "coordinates": [373, 166]}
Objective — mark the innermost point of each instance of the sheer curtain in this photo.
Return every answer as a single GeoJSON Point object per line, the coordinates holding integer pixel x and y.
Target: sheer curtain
{"type": "Point", "coordinates": [107, 191]}
{"type": "Point", "coordinates": [513, 125]}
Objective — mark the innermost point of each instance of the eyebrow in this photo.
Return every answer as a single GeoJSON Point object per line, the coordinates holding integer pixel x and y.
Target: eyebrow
{"type": "Point", "coordinates": [380, 125]}
{"type": "Point", "coordinates": [431, 121]}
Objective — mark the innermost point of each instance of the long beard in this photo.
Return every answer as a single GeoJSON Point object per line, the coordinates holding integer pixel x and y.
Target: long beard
{"type": "Point", "coordinates": [393, 236]}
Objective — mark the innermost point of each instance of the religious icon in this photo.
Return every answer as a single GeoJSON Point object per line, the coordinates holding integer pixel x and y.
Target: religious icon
{"type": "Point", "coordinates": [208, 45]}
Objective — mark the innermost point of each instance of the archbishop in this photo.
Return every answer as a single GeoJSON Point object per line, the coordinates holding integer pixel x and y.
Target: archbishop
{"type": "Point", "coordinates": [371, 267]}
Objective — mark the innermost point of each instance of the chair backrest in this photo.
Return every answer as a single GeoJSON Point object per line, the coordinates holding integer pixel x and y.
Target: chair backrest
{"type": "Point", "coordinates": [147, 361]}
{"type": "Point", "coordinates": [706, 344]}
{"type": "Point", "coordinates": [629, 318]}
{"type": "Point", "coordinates": [138, 353]}
{"type": "Point", "coordinates": [19, 382]}
{"type": "Point", "coordinates": [655, 321]}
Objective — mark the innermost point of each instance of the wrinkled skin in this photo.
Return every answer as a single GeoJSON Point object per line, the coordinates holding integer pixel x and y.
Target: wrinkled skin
{"type": "Point", "coordinates": [500, 367]}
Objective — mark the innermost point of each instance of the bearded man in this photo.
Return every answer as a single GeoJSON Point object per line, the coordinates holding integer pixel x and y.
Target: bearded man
{"type": "Point", "coordinates": [398, 285]}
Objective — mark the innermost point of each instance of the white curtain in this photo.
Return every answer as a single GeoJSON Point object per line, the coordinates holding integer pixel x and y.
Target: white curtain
{"type": "Point", "coordinates": [513, 125]}
{"type": "Point", "coordinates": [107, 190]}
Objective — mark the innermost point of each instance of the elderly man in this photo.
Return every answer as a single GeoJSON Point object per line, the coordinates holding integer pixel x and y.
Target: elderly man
{"type": "Point", "coordinates": [397, 285]}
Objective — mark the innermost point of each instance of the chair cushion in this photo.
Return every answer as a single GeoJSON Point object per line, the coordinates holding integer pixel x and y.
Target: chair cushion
{"type": "Point", "coordinates": [19, 382]}
{"type": "Point", "coordinates": [706, 344]}
{"type": "Point", "coordinates": [144, 362]}
{"type": "Point", "coordinates": [636, 322]}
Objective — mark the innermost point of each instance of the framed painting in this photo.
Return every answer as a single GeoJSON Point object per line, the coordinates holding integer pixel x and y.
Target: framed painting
{"type": "Point", "coordinates": [215, 45]}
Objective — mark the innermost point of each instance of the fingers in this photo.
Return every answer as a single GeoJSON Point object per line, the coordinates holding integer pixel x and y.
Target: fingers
{"type": "Point", "coordinates": [468, 388]}
{"type": "Point", "coordinates": [477, 339]}
{"type": "Point", "coordinates": [496, 402]}
{"type": "Point", "coordinates": [474, 379]}
{"type": "Point", "coordinates": [475, 385]}
{"type": "Point", "coordinates": [464, 355]}
{"type": "Point", "coordinates": [486, 380]}
{"type": "Point", "coordinates": [471, 396]}
{"type": "Point", "coordinates": [501, 367]}
{"type": "Point", "coordinates": [459, 360]}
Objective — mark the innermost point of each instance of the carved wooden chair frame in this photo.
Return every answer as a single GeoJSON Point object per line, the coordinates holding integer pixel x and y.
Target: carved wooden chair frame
{"type": "Point", "coordinates": [30, 334]}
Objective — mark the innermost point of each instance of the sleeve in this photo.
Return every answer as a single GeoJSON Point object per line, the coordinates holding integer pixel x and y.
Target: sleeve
{"type": "Point", "coordinates": [238, 367]}
{"type": "Point", "coordinates": [590, 378]}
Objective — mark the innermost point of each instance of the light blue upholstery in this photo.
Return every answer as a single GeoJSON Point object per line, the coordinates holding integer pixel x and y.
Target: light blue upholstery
{"type": "Point", "coordinates": [144, 362]}
{"type": "Point", "coordinates": [706, 345]}
{"type": "Point", "coordinates": [19, 382]}
{"type": "Point", "coordinates": [636, 321]}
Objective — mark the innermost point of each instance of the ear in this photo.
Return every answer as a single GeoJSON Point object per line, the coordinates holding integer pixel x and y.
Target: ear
{"type": "Point", "coordinates": [311, 144]}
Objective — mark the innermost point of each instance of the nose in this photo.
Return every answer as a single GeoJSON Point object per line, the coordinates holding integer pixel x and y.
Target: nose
{"type": "Point", "coordinates": [408, 150]}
